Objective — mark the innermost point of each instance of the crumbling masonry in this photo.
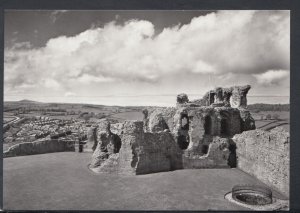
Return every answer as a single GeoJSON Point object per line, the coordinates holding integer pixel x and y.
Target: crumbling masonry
{"type": "Point", "coordinates": [216, 131]}
{"type": "Point", "coordinates": [194, 134]}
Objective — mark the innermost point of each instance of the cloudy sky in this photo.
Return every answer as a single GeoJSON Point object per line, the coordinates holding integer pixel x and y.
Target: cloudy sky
{"type": "Point", "coordinates": [144, 57]}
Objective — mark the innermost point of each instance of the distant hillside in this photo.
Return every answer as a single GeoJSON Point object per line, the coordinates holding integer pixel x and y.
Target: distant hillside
{"type": "Point", "coordinates": [26, 101]}
{"type": "Point", "coordinates": [269, 107]}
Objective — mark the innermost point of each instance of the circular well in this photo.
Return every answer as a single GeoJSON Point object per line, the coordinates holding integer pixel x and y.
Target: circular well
{"type": "Point", "coordinates": [252, 195]}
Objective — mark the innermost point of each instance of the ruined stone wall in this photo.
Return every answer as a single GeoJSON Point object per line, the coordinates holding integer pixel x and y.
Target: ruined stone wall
{"type": "Point", "coordinates": [229, 121]}
{"type": "Point", "coordinates": [239, 96]}
{"type": "Point", "coordinates": [199, 125]}
{"type": "Point", "coordinates": [217, 155]}
{"type": "Point", "coordinates": [158, 152]}
{"type": "Point", "coordinates": [235, 97]}
{"type": "Point", "coordinates": [196, 131]}
{"type": "Point", "coordinates": [213, 121]}
{"type": "Point", "coordinates": [91, 139]}
{"type": "Point", "coordinates": [160, 119]}
{"type": "Point", "coordinates": [247, 121]}
{"type": "Point", "coordinates": [235, 123]}
{"type": "Point", "coordinates": [188, 136]}
{"type": "Point", "coordinates": [265, 155]}
{"type": "Point", "coordinates": [128, 155]}
{"type": "Point", "coordinates": [140, 153]}
{"type": "Point", "coordinates": [40, 147]}
{"type": "Point", "coordinates": [143, 153]}
{"type": "Point", "coordinates": [107, 149]}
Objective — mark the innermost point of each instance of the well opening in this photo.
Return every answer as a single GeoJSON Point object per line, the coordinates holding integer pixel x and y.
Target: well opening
{"type": "Point", "coordinates": [252, 195]}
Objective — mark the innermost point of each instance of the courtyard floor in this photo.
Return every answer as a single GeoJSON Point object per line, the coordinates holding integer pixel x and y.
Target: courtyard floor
{"type": "Point", "coordinates": [62, 181]}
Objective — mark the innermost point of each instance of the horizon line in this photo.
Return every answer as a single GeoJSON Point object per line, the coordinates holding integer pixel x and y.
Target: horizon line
{"type": "Point", "coordinates": [80, 96]}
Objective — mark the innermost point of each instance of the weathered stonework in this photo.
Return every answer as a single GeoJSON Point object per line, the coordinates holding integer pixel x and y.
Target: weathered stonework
{"type": "Point", "coordinates": [265, 155]}
{"type": "Point", "coordinates": [189, 135]}
{"type": "Point", "coordinates": [40, 147]}
{"type": "Point", "coordinates": [248, 122]}
{"type": "Point", "coordinates": [235, 97]}
{"type": "Point", "coordinates": [141, 152]}
{"type": "Point", "coordinates": [108, 144]}
{"type": "Point", "coordinates": [92, 139]}
{"type": "Point", "coordinates": [182, 98]}
{"type": "Point", "coordinates": [212, 132]}
{"type": "Point", "coordinates": [161, 119]}
{"type": "Point", "coordinates": [146, 120]}
{"type": "Point", "coordinates": [217, 155]}
{"type": "Point", "coordinates": [239, 96]}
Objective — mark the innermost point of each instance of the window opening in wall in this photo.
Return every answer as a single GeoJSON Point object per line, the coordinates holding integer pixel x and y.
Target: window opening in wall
{"type": "Point", "coordinates": [224, 127]}
{"type": "Point", "coordinates": [184, 122]}
{"type": "Point", "coordinates": [207, 125]}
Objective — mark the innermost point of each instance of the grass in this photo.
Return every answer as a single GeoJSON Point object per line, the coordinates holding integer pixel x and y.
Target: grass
{"type": "Point", "coordinates": [283, 121]}
{"type": "Point", "coordinates": [133, 115]}
{"type": "Point", "coordinates": [62, 181]}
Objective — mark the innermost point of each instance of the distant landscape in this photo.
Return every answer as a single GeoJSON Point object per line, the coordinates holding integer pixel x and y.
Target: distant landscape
{"type": "Point", "coordinates": [269, 116]}
{"type": "Point", "coordinates": [275, 114]}
{"type": "Point", "coordinates": [27, 120]}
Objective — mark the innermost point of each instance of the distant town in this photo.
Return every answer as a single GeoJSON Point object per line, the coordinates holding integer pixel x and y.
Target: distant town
{"type": "Point", "coordinates": [27, 121]}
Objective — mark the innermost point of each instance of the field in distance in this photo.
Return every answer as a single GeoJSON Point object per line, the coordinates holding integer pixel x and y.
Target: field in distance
{"type": "Point", "coordinates": [267, 116]}
{"type": "Point", "coordinates": [65, 111]}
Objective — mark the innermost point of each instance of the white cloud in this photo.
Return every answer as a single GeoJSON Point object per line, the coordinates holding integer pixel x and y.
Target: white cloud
{"type": "Point", "coordinates": [56, 14]}
{"type": "Point", "coordinates": [86, 79]}
{"type": "Point", "coordinates": [50, 83]}
{"type": "Point", "coordinates": [272, 77]}
{"type": "Point", "coordinates": [70, 94]}
{"type": "Point", "coordinates": [239, 42]}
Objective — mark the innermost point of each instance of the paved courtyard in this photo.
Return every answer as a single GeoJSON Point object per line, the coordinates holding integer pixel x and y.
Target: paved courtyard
{"type": "Point", "coordinates": [62, 181]}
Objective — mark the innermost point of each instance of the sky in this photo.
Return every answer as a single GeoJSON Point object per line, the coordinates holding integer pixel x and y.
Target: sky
{"type": "Point", "coordinates": [144, 57]}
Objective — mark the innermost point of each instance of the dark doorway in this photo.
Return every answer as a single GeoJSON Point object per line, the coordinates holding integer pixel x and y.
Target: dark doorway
{"type": "Point", "coordinates": [207, 125]}
{"type": "Point", "coordinates": [232, 159]}
{"type": "Point", "coordinates": [183, 141]}
{"type": "Point", "coordinates": [204, 149]}
{"type": "Point", "coordinates": [224, 127]}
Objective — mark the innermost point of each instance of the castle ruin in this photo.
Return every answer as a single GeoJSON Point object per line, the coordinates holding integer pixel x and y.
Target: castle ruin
{"type": "Point", "coordinates": [216, 131]}
{"type": "Point", "coordinates": [194, 134]}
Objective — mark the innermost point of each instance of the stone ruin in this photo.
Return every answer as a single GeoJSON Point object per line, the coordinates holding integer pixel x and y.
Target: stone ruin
{"type": "Point", "coordinates": [235, 97]}
{"type": "Point", "coordinates": [211, 132]}
{"type": "Point", "coordinates": [216, 131]}
{"type": "Point", "coordinates": [194, 134]}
